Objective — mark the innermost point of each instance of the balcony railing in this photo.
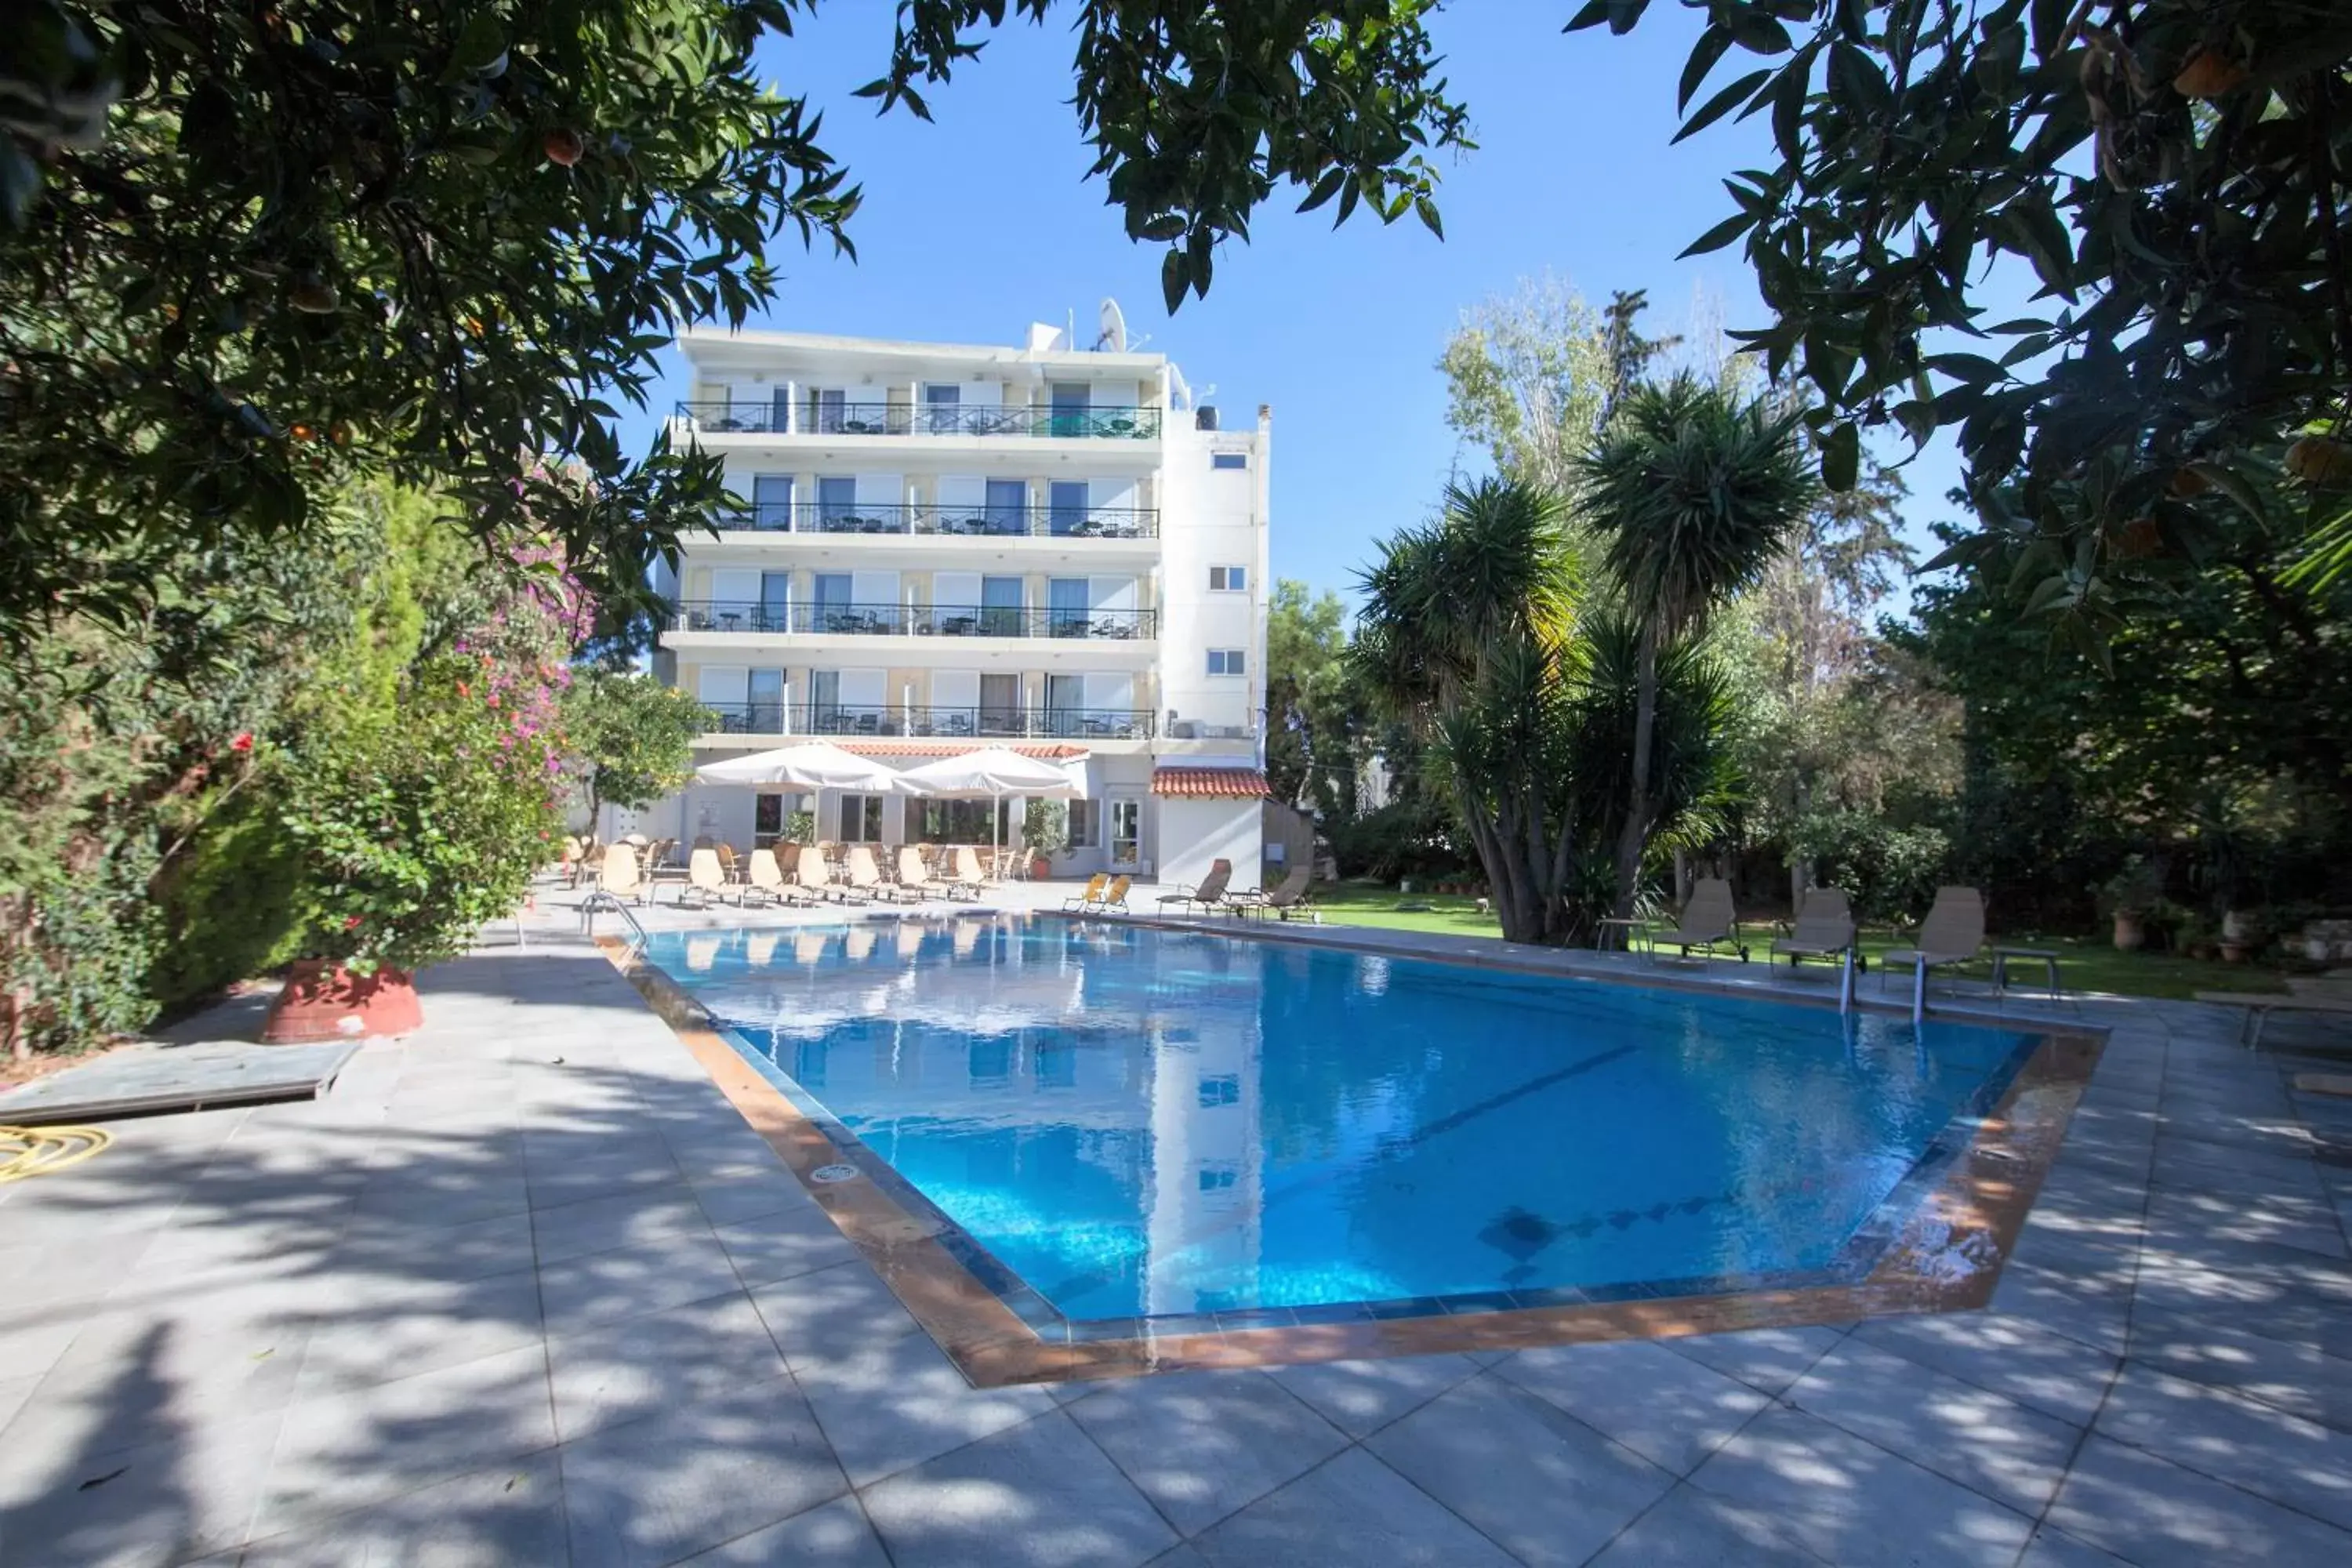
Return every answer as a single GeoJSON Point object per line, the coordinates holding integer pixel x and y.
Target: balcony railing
{"type": "Point", "coordinates": [1123, 423]}
{"type": "Point", "coordinates": [916, 621]}
{"type": "Point", "coordinates": [982, 723]}
{"type": "Point", "coordinates": [1047, 522]}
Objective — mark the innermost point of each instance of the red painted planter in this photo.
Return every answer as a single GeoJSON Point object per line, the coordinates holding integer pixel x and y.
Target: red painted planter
{"type": "Point", "coordinates": [327, 1002]}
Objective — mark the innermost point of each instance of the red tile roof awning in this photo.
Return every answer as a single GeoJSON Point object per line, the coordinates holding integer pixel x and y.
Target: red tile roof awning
{"type": "Point", "coordinates": [1051, 752]}
{"type": "Point", "coordinates": [1210, 783]}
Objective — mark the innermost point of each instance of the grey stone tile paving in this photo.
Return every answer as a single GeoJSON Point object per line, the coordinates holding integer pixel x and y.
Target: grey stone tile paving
{"type": "Point", "coordinates": [1959, 1431]}
{"type": "Point", "coordinates": [510, 1513]}
{"type": "Point", "coordinates": [833, 1535]}
{"type": "Point", "coordinates": [1664, 1407]}
{"type": "Point", "coordinates": [1542, 1485]}
{"type": "Point", "coordinates": [1203, 1446]}
{"type": "Point", "coordinates": [2155, 1514]}
{"type": "Point", "coordinates": [526, 1290]}
{"type": "Point", "coordinates": [1351, 1509]}
{"type": "Point", "coordinates": [1689, 1529]}
{"type": "Point", "coordinates": [1039, 1495]}
{"type": "Point", "coordinates": [1856, 1503]}
{"type": "Point", "coordinates": [670, 1485]}
{"type": "Point", "coordinates": [1363, 1396]}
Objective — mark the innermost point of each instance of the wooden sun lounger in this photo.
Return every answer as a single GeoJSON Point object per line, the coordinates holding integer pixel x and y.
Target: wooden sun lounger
{"type": "Point", "coordinates": [2260, 1005]}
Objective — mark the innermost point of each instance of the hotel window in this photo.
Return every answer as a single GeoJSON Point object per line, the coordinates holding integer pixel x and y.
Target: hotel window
{"type": "Point", "coordinates": [861, 818]}
{"type": "Point", "coordinates": [1085, 823]}
{"type": "Point", "coordinates": [1227, 662]}
{"type": "Point", "coordinates": [1222, 1088]}
{"type": "Point", "coordinates": [1229, 459]}
{"type": "Point", "coordinates": [1217, 1178]}
{"type": "Point", "coordinates": [1228, 579]}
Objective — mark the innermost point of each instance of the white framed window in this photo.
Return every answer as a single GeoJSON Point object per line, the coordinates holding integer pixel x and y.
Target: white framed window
{"type": "Point", "coordinates": [1228, 661]}
{"type": "Point", "coordinates": [1228, 579]}
{"type": "Point", "coordinates": [1229, 459]}
{"type": "Point", "coordinates": [861, 818]}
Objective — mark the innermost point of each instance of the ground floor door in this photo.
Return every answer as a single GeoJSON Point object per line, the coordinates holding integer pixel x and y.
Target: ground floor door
{"type": "Point", "coordinates": [1123, 830]}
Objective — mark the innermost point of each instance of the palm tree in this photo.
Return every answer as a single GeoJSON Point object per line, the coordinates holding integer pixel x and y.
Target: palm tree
{"type": "Point", "coordinates": [1467, 632]}
{"type": "Point", "coordinates": [1692, 496]}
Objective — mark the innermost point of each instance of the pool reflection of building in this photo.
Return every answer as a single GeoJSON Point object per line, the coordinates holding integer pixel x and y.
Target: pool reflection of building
{"type": "Point", "coordinates": [1145, 1113]}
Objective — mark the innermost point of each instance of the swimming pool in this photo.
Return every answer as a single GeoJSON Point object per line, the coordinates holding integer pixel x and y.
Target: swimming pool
{"type": "Point", "coordinates": [1125, 1123]}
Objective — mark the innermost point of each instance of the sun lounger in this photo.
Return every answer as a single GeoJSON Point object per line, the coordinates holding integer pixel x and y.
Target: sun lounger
{"type": "Point", "coordinates": [1297, 893]}
{"type": "Point", "coordinates": [1708, 920]}
{"type": "Point", "coordinates": [968, 880]}
{"type": "Point", "coordinates": [866, 877]}
{"type": "Point", "coordinates": [1209, 893]}
{"type": "Point", "coordinates": [817, 876]}
{"type": "Point", "coordinates": [704, 879]}
{"type": "Point", "coordinates": [917, 877]}
{"type": "Point", "coordinates": [765, 881]}
{"type": "Point", "coordinates": [1953, 932]}
{"type": "Point", "coordinates": [1257, 900]}
{"type": "Point", "coordinates": [1091, 898]}
{"type": "Point", "coordinates": [1114, 899]}
{"type": "Point", "coordinates": [1824, 928]}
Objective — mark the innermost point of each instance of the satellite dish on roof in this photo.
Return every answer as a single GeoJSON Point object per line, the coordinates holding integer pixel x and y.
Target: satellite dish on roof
{"type": "Point", "coordinates": [1180, 390]}
{"type": "Point", "coordinates": [1114, 329]}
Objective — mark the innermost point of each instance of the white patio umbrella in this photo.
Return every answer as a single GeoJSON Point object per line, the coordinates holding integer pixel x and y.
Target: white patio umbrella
{"type": "Point", "coordinates": [992, 773]}
{"type": "Point", "coordinates": [813, 764]}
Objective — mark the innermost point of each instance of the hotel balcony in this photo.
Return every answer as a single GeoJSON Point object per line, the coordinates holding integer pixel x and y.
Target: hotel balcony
{"type": "Point", "coordinates": [883, 419]}
{"type": "Point", "coordinates": [979, 724]}
{"type": "Point", "coordinates": [934, 521]}
{"type": "Point", "coordinates": [750, 615]}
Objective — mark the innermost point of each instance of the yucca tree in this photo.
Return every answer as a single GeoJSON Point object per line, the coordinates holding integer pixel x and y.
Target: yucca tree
{"type": "Point", "coordinates": [1467, 632]}
{"type": "Point", "coordinates": [1691, 494]}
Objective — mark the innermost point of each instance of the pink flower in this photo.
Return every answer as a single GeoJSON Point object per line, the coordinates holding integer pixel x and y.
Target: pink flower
{"type": "Point", "coordinates": [244, 742]}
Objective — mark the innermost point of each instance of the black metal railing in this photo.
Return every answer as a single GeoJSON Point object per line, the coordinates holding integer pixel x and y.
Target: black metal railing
{"type": "Point", "coordinates": [1045, 522]}
{"type": "Point", "coordinates": [915, 620]}
{"type": "Point", "coordinates": [979, 722]}
{"type": "Point", "coordinates": [804, 419]}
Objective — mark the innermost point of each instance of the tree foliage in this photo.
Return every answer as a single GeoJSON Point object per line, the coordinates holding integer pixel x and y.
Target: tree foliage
{"type": "Point", "coordinates": [1319, 725]}
{"type": "Point", "coordinates": [245, 251]}
{"type": "Point", "coordinates": [630, 738]}
{"type": "Point", "coordinates": [2175, 175]}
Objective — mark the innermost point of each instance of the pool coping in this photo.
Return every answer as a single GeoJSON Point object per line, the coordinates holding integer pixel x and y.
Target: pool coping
{"type": "Point", "coordinates": [1940, 1250]}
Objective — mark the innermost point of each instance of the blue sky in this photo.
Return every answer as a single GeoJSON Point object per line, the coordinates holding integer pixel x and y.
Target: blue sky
{"type": "Point", "coordinates": [982, 221]}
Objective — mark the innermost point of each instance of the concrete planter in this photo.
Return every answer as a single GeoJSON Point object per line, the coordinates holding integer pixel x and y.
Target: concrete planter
{"type": "Point", "coordinates": [325, 1001]}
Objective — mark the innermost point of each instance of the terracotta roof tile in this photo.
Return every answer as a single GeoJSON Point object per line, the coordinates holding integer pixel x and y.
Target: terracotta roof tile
{"type": "Point", "coordinates": [1210, 783]}
{"type": "Point", "coordinates": [1050, 750]}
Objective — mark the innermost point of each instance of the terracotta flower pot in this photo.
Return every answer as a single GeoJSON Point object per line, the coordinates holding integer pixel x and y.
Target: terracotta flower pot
{"type": "Point", "coordinates": [2131, 935]}
{"type": "Point", "coordinates": [325, 1001]}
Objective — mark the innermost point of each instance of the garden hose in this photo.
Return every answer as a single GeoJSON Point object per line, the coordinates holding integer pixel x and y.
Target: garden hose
{"type": "Point", "coordinates": [28, 1151]}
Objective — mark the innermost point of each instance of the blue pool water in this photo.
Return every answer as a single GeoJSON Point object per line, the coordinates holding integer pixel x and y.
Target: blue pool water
{"type": "Point", "coordinates": [1138, 1122]}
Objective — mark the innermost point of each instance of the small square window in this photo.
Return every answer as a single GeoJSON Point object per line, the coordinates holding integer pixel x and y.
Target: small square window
{"type": "Point", "coordinates": [1217, 1178]}
{"type": "Point", "coordinates": [1229, 459]}
{"type": "Point", "coordinates": [1228, 661]}
{"type": "Point", "coordinates": [1223, 1089]}
{"type": "Point", "coordinates": [1228, 579]}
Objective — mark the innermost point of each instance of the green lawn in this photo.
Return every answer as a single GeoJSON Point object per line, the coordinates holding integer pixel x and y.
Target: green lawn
{"type": "Point", "coordinates": [2082, 965]}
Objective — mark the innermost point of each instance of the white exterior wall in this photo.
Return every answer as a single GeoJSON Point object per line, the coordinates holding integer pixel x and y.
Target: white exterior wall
{"type": "Point", "coordinates": [1201, 831]}
{"type": "Point", "coordinates": [1218, 519]}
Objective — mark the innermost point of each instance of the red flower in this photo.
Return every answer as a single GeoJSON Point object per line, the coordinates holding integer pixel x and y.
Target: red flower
{"type": "Point", "coordinates": [244, 742]}
{"type": "Point", "coordinates": [351, 922]}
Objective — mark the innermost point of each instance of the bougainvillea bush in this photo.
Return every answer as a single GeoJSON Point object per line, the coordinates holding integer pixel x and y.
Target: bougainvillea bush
{"type": "Point", "coordinates": [417, 822]}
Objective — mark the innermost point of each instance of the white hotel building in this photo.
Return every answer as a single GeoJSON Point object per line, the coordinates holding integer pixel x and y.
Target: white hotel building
{"type": "Point", "coordinates": [944, 547]}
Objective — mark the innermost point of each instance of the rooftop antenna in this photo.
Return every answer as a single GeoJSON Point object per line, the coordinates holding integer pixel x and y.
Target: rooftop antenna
{"type": "Point", "coordinates": [1113, 335]}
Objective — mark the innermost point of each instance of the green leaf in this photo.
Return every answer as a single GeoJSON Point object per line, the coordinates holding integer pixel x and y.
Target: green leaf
{"type": "Point", "coordinates": [480, 43]}
{"type": "Point", "coordinates": [1594, 13]}
{"type": "Point", "coordinates": [1712, 46]}
{"type": "Point", "coordinates": [1325, 189]}
{"type": "Point", "coordinates": [1723, 102]}
{"type": "Point", "coordinates": [1172, 276]}
{"type": "Point", "coordinates": [1721, 234]}
{"type": "Point", "coordinates": [1842, 457]}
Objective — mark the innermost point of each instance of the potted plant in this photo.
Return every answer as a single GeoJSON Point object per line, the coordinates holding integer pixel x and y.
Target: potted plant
{"type": "Point", "coordinates": [1045, 829]}
{"type": "Point", "coordinates": [2241, 935]}
{"type": "Point", "coordinates": [414, 828]}
{"type": "Point", "coordinates": [2130, 896]}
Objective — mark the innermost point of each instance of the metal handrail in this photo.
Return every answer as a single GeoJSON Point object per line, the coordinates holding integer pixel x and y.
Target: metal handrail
{"type": "Point", "coordinates": [983, 520]}
{"type": "Point", "coordinates": [914, 620]}
{"type": "Point", "coordinates": [1119, 422]}
{"type": "Point", "coordinates": [976, 721]}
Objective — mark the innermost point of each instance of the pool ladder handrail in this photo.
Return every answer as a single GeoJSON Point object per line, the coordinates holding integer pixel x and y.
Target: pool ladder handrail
{"type": "Point", "coordinates": [600, 900]}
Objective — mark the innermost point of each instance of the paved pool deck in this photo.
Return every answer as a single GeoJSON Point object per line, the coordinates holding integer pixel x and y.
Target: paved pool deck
{"type": "Point", "coordinates": [525, 1288]}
